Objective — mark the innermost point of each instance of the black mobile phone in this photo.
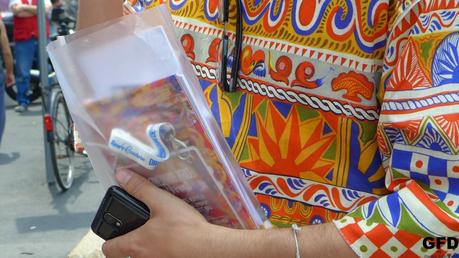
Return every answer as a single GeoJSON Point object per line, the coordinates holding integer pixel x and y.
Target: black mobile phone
{"type": "Point", "coordinates": [118, 214]}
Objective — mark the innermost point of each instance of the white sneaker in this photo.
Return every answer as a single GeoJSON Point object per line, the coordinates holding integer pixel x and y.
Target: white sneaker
{"type": "Point", "coordinates": [20, 108]}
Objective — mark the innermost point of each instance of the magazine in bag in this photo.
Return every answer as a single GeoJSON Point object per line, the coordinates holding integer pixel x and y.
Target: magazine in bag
{"type": "Point", "coordinates": [137, 104]}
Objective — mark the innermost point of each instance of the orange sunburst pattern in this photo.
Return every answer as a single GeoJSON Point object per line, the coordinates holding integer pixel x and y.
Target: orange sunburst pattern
{"type": "Point", "coordinates": [450, 125]}
{"type": "Point", "coordinates": [410, 128]}
{"type": "Point", "coordinates": [289, 146]}
{"type": "Point", "coordinates": [408, 73]}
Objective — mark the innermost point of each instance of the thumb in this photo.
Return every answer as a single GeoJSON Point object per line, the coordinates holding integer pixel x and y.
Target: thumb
{"type": "Point", "coordinates": [156, 199]}
{"type": "Point", "coordinates": [121, 247]}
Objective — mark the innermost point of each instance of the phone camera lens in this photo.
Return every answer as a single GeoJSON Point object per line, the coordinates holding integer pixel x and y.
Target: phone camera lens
{"type": "Point", "coordinates": [111, 220]}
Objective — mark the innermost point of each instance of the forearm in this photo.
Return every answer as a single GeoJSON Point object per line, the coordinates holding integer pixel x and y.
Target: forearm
{"type": "Point", "coordinates": [32, 9]}
{"type": "Point", "coordinates": [8, 61]}
{"type": "Point", "coordinates": [314, 241]}
{"type": "Point", "coordinates": [6, 50]}
{"type": "Point", "coordinates": [94, 12]}
{"type": "Point", "coordinates": [24, 10]}
{"type": "Point", "coordinates": [23, 14]}
{"type": "Point", "coordinates": [177, 230]}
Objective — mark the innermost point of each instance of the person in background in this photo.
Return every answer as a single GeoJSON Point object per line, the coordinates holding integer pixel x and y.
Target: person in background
{"type": "Point", "coordinates": [71, 8]}
{"type": "Point", "coordinates": [56, 12]}
{"type": "Point", "coordinates": [6, 79]}
{"type": "Point", "coordinates": [25, 35]}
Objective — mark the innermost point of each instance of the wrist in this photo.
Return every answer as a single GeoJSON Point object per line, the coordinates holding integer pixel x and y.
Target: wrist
{"type": "Point", "coordinates": [236, 243]}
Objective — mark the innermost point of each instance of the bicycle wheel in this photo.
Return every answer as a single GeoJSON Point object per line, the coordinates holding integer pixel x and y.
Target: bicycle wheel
{"type": "Point", "coordinates": [62, 153]}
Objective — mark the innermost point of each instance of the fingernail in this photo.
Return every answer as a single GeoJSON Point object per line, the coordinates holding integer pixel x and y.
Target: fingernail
{"type": "Point", "coordinates": [123, 176]}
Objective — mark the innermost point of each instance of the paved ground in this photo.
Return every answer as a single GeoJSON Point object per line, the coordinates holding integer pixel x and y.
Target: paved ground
{"type": "Point", "coordinates": [37, 221]}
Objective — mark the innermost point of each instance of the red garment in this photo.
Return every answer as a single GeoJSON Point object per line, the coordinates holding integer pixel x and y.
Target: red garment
{"type": "Point", "coordinates": [26, 28]}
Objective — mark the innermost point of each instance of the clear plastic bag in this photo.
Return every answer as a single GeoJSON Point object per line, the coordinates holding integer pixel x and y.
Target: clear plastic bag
{"type": "Point", "coordinates": [137, 103]}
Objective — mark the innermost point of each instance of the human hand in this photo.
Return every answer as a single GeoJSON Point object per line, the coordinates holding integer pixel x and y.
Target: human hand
{"type": "Point", "coordinates": [175, 229]}
{"type": "Point", "coordinates": [10, 79]}
{"type": "Point", "coordinates": [19, 7]}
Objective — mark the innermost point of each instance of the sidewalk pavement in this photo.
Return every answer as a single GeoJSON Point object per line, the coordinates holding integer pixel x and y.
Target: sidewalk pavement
{"type": "Point", "coordinates": [89, 247]}
{"type": "Point", "coordinates": [37, 220]}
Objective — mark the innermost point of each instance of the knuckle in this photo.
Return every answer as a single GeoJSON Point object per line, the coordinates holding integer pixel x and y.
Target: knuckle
{"type": "Point", "coordinates": [134, 249]}
{"type": "Point", "coordinates": [106, 249]}
{"type": "Point", "coordinates": [137, 187]}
